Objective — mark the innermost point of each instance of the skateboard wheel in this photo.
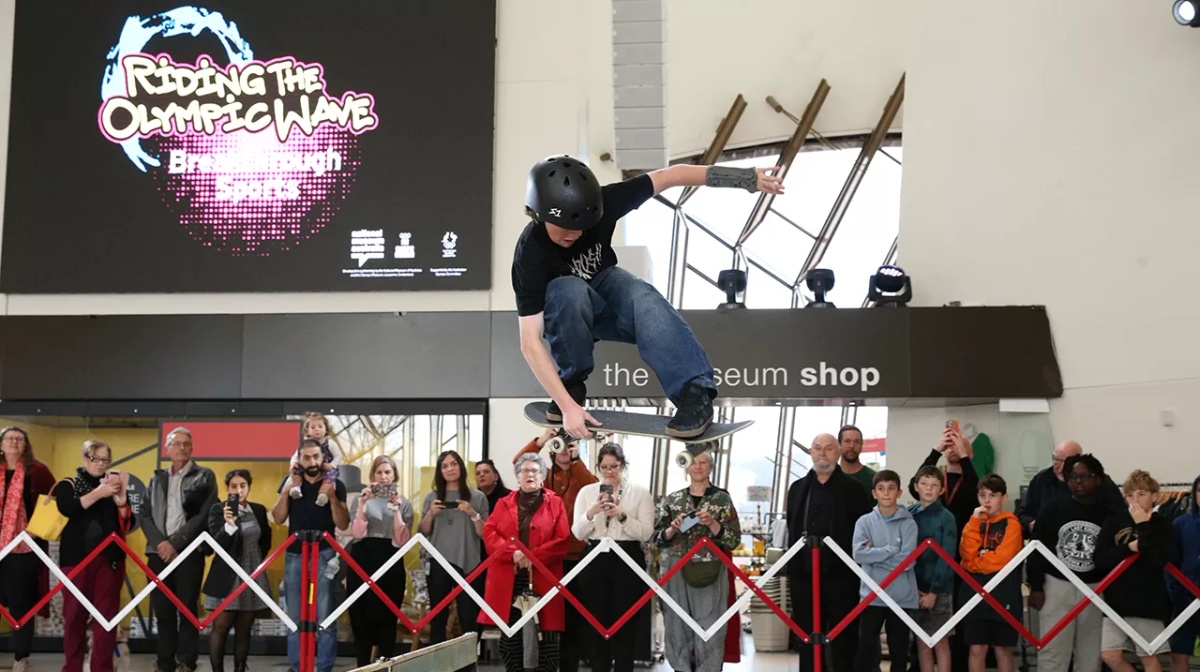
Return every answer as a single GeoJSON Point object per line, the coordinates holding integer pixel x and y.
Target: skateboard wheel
{"type": "Point", "coordinates": [683, 460]}
{"type": "Point", "coordinates": [556, 444]}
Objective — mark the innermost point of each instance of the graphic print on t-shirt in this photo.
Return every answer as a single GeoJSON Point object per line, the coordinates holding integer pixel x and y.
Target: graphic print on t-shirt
{"type": "Point", "coordinates": [1077, 545]}
{"type": "Point", "coordinates": [588, 263]}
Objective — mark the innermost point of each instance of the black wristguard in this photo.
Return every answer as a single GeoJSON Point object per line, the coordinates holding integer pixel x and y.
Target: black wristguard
{"type": "Point", "coordinates": [725, 176]}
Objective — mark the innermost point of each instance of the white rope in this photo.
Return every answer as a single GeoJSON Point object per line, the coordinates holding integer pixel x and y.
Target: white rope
{"type": "Point", "coordinates": [109, 624]}
{"type": "Point", "coordinates": [1029, 549]}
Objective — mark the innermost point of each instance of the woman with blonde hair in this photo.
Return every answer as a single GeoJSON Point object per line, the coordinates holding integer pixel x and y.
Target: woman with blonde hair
{"type": "Point", "coordinates": [381, 521]}
{"type": "Point", "coordinates": [95, 505]}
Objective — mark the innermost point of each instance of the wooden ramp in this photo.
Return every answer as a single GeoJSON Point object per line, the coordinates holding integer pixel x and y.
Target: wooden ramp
{"type": "Point", "coordinates": [450, 655]}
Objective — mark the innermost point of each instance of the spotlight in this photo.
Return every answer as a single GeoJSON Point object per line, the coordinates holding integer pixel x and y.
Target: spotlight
{"type": "Point", "coordinates": [733, 283]}
{"type": "Point", "coordinates": [1187, 13]}
{"type": "Point", "coordinates": [819, 281]}
{"type": "Point", "coordinates": [890, 286]}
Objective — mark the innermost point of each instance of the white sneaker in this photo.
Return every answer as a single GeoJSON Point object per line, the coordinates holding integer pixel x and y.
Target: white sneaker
{"type": "Point", "coordinates": [21, 665]}
{"type": "Point", "coordinates": [295, 493]}
{"type": "Point", "coordinates": [322, 499]}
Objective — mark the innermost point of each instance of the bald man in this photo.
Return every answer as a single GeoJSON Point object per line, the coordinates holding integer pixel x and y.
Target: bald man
{"type": "Point", "coordinates": [825, 503]}
{"type": "Point", "coordinates": [1049, 484]}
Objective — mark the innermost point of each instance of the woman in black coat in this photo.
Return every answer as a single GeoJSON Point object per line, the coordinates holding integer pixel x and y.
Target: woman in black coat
{"type": "Point", "coordinates": [241, 528]}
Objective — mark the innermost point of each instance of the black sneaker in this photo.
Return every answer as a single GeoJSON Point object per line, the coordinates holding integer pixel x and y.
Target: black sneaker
{"type": "Point", "coordinates": [578, 392]}
{"type": "Point", "coordinates": [695, 412]}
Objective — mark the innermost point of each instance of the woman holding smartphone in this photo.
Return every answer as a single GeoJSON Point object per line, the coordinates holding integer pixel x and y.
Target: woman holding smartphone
{"type": "Point", "coordinates": [381, 522]}
{"type": "Point", "coordinates": [241, 528]}
{"type": "Point", "coordinates": [452, 517]}
{"type": "Point", "coordinates": [95, 506]}
{"type": "Point", "coordinates": [623, 511]}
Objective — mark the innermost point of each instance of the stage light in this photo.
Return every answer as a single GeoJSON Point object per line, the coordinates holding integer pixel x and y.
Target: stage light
{"type": "Point", "coordinates": [1187, 13]}
{"type": "Point", "coordinates": [819, 282]}
{"type": "Point", "coordinates": [890, 286]}
{"type": "Point", "coordinates": [733, 283]}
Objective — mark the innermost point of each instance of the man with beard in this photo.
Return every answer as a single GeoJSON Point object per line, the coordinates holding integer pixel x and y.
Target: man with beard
{"type": "Point", "coordinates": [304, 515]}
{"type": "Point", "coordinates": [851, 440]}
{"type": "Point", "coordinates": [825, 503]}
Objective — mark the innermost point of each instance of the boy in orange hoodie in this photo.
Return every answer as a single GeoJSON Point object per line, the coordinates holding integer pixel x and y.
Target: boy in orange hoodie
{"type": "Point", "coordinates": [990, 540]}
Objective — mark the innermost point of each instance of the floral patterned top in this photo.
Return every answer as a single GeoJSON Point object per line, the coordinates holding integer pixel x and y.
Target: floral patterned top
{"type": "Point", "coordinates": [718, 504]}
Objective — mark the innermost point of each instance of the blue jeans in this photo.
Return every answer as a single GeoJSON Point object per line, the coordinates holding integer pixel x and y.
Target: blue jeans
{"type": "Point", "coordinates": [327, 638]}
{"type": "Point", "coordinates": [619, 306]}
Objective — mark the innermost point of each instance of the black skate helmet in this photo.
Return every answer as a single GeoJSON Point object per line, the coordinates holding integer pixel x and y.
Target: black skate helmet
{"type": "Point", "coordinates": [562, 190]}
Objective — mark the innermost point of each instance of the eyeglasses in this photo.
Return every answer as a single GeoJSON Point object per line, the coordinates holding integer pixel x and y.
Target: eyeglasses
{"type": "Point", "coordinates": [14, 439]}
{"type": "Point", "coordinates": [1080, 477]}
{"type": "Point", "coordinates": [99, 460]}
{"type": "Point", "coordinates": [179, 444]}
{"type": "Point", "coordinates": [610, 467]}
{"type": "Point", "coordinates": [535, 471]}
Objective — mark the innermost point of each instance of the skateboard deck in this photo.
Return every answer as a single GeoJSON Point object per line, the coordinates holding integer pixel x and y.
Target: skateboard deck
{"type": "Point", "coordinates": [638, 424]}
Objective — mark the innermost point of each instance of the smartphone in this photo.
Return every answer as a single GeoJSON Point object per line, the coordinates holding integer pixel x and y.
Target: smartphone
{"type": "Point", "coordinates": [232, 501]}
{"type": "Point", "coordinates": [383, 491]}
{"type": "Point", "coordinates": [450, 503]}
{"type": "Point", "coordinates": [953, 424]}
{"type": "Point", "coordinates": [689, 521]}
{"type": "Point", "coordinates": [114, 475]}
{"type": "Point", "coordinates": [606, 488]}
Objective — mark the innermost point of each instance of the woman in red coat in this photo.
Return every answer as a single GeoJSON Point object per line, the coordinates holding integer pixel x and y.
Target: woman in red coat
{"type": "Point", "coordinates": [535, 516]}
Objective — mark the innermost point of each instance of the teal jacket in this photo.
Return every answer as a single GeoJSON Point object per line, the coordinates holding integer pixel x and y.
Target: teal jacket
{"type": "Point", "coordinates": [936, 522]}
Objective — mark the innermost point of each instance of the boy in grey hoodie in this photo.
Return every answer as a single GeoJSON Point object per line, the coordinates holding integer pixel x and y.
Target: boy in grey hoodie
{"type": "Point", "coordinates": [882, 540]}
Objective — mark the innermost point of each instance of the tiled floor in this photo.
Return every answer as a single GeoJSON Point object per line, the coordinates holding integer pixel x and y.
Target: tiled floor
{"type": "Point", "coordinates": [758, 662]}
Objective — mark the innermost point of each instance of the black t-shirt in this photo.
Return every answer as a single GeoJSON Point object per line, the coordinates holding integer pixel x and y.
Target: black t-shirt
{"type": "Point", "coordinates": [304, 513]}
{"type": "Point", "coordinates": [537, 260]}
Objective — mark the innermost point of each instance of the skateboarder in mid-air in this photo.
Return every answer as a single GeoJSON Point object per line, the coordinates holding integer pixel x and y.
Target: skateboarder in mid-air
{"type": "Point", "coordinates": [570, 289]}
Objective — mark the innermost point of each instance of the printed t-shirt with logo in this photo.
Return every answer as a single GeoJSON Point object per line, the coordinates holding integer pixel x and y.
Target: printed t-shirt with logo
{"type": "Point", "coordinates": [537, 260]}
{"type": "Point", "coordinates": [1070, 528]}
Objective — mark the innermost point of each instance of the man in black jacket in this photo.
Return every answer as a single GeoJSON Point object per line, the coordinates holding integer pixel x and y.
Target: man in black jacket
{"type": "Point", "coordinates": [176, 512]}
{"type": "Point", "coordinates": [1049, 484]}
{"type": "Point", "coordinates": [825, 503]}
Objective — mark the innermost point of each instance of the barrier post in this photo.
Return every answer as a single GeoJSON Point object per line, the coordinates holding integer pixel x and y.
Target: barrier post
{"type": "Point", "coordinates": [818, 631]}
{"type": "Point", "coordinates": [309, 558]}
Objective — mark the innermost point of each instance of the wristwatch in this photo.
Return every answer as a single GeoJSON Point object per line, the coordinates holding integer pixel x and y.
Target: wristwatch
{"type": "Point", "coordinates": [477, 517]}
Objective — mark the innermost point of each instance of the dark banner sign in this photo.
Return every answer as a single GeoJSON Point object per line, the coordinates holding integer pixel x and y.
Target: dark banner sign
{"type": "Point", "coordinates": [755, 354]}
{"type": "Point", "coordinates": [892, 355]}
{"type": "Point", "coordinates": [275, 145]}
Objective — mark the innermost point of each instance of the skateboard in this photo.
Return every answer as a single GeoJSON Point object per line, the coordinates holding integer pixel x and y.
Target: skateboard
{"type": "Point", "coordinates": [649, 425]}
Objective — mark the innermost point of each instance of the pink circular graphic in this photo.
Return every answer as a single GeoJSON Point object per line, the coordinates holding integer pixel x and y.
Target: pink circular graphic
{"type": "Point", "coordinates": [247, 194]}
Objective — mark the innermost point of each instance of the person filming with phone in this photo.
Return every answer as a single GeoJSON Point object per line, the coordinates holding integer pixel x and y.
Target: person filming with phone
{"type": "Point", "coordinates": [623, 511]}
{"type": "Point", "coordinates": [240, 527]}
{"type": "Point", "coordinates": [702, 587]}
{"type": "Point", "coordinates": [95, 505]}
{"type": "Point", "coordinates": [382, 521]}
{"type": "Point", "coordinates": [961, 479]}
{"type": "Point", "coordinates": [452, 517]}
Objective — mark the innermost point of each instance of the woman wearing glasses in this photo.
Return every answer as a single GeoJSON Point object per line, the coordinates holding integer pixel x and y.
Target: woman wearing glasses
{"type": "Point", "coordinates": [701, 587]}
{"type": "Point", "coordinates": [623, 511]}
{"type": "Point", "coordinates": [537, 517]}
{"type": "Point", "coordinates": [95, 506]}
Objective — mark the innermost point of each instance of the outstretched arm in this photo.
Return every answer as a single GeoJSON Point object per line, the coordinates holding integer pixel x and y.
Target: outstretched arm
{"type": "Point", "coordinates": [533, 348]}
{"type": "Point", "coordinates": [750, 179]}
